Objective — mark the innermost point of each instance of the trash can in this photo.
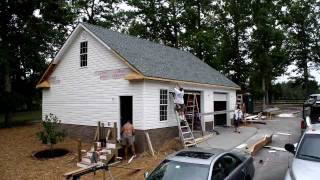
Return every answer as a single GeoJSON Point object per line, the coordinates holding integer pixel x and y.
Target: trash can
{"type": "Point", "coordinates": [248, 100]}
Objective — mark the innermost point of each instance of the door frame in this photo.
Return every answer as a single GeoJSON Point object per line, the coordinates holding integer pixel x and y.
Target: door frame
{"type": "Point", "coordinates": [119, 115]}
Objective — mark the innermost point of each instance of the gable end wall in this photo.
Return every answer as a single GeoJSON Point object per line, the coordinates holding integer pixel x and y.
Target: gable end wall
{"type": "Point", "coordinates": [78, 95]}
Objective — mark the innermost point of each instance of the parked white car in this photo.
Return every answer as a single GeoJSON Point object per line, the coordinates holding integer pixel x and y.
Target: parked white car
{"type": "Point", "coordinates": [306, 162]}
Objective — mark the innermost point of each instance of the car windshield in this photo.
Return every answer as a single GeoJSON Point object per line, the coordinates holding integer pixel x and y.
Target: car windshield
{"type": "Point", "coordinates": [309, 148]}
{"type": "Point", "coordinates": [169, 170]}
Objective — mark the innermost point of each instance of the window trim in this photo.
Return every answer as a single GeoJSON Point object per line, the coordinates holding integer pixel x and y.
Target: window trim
{"type": "Point", "coordinates": [83, 54]}
{"type": "Point", "coordinates": [163, 104]}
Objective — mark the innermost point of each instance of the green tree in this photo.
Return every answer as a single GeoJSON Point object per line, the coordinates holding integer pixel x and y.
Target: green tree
{"type": "Point", "coordinates": [199, 36]}
{"type": "Point", "coordinates": [29, 31]}
{"type": "Point", "coordinates": [302, 26]}
{"type": "Point", "coordinates": [100, 12]}
{"type": "Point", "coordinates": [155, 20]}
{"type": "Point", "coordinates": [269, 57]}
{"type": "Point", "coordinates": [234, 22]}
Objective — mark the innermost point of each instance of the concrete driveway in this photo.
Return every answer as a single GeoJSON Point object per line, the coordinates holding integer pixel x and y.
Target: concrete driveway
{"type": "Point", "coordinates": [228, 139]}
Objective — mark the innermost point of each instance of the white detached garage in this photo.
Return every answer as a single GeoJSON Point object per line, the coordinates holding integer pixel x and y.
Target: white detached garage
{"type": "Point", "coordinates": [102, 75]}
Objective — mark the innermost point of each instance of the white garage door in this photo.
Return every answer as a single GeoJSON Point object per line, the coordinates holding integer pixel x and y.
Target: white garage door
{"type": "Point", "coordinates": [220, 97]}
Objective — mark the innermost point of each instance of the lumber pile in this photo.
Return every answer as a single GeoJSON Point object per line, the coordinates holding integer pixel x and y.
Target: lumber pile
{"type": "Point", "coordinates": [103, 151]}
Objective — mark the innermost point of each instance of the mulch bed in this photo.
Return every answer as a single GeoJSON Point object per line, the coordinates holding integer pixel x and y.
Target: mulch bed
{"type": "Point", "coordinates": [19, 143]}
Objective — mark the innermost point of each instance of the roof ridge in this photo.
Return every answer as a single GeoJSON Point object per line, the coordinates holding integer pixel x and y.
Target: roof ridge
{"type": "Point", "coordinates": [138, 38]}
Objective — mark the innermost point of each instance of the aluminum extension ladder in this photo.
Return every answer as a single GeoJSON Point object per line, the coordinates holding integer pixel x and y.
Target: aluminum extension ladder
{"type": "Point", "coordinates": [185, 132]}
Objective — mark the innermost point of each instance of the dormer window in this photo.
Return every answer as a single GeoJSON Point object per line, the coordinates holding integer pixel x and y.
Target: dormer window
{"type": "Point", "coordinates": [83, 53]}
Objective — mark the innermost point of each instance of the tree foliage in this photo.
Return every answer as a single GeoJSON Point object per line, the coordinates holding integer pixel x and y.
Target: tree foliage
{"type": "Point", "coordinates": [234, 22]}
{"type": "Point", "coordinates": [250, 41]}
{"type": "Point", "coordinates": [100, 12]}
{"type": "Point", "coordinates": [269, 57]}
{"type": "Point", "coordinates": [30, 32]}
{"type": "Point", "coordinates": [302, 28]}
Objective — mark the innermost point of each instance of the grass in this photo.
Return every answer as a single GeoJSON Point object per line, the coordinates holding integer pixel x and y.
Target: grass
{"type": "Point", "coordinates": [21, 118]}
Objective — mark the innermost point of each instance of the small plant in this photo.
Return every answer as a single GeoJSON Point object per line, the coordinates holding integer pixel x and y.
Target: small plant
{"type": "Point", "coordinates": [51, 134]}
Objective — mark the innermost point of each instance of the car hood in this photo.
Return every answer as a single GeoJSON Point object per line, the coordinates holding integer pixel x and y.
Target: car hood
{"type": "Point", "coordinates": [305, 170]}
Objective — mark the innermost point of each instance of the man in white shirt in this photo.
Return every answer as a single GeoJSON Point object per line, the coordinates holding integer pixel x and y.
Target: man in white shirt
{"type": "Point", "coordinates": [237, 118]}
{"type": "Point", "coordinates": [178, 100]}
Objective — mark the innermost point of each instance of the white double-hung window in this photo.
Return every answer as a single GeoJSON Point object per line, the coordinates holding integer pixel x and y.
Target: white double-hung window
{"type": "Point", "coordinates": [163, 104]}
{"type": "Point", "coordinates": [84, 54]}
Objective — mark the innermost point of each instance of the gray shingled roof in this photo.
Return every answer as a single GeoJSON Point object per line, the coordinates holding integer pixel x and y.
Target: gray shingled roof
{"type": "Point", "coordinates": [156, 60]}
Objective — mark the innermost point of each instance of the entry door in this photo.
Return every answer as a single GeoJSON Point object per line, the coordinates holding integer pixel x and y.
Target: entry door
{"type": "Point", "coordinates": [125, 109]}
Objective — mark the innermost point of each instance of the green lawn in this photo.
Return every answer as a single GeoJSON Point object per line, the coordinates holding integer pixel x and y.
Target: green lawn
{"type": "Point", "coordinates": [20, 118]}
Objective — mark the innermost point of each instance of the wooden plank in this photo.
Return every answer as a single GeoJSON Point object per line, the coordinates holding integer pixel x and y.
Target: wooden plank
{"type": "Point", "coordinates": [115, 132]}
{"type": "Point", "coordinates": [98, 128]}
{"type": "Point", "coordinates": [254, 149]}
{"type": "Point", "coordinates": [203, 138]}
{"type": "Point", "coordinates": [190, 82]}
{"type": "Point", "coordinates": [149, 143]}
{"type": "Point", "coordinates": [79, 171]}
{"type": "Point", "coordinates": [215, 113]}
{"type": "Point", "coordinates": [108, 134]}
{"type": "Point", "coordinates": [79, 150]}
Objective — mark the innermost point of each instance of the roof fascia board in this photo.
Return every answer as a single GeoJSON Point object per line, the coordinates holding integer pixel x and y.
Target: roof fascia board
{"type": "Point", "coordinates": [193, 83]}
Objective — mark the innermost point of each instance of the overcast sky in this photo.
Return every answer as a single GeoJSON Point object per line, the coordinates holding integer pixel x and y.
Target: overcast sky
{"type": "Point", "coordinates": [289, 73]}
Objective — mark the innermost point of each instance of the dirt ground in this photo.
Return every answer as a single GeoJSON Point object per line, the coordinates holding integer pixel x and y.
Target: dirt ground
{"type": "Point", "coordinates": [19, 143]}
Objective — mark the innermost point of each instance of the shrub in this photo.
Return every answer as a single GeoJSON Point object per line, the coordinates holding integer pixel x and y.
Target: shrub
{"type": "Point", "coordinates": [51, 134]}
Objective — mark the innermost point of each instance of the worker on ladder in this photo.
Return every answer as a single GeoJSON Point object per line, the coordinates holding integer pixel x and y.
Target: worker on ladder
{"type": "Point", "coordinates": [179, 101]}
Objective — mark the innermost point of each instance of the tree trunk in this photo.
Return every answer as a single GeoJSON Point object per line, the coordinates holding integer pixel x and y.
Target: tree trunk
{"type": "Point", "coordinates": [199, 48]}
{"type": "Point", "coordinates": [264, 93]}
{"type": "Point", "coordinates": [7, 89]}
{"type": "Point", "coordinates": [175, 28]}
{"type": "Point", "coordinates": [306, 77]}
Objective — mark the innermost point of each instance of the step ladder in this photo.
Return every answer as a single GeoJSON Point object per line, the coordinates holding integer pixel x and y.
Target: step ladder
{"type": "Point", "coordinates": [185, 132]}
{"type": "Point", "coordinates": [192, 109]}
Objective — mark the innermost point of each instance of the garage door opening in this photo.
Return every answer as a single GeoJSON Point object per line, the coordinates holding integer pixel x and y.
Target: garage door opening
{"type": "Point", "coordinates": [220, 104]}
{"type": "Point", "coordinates": [188, 100]}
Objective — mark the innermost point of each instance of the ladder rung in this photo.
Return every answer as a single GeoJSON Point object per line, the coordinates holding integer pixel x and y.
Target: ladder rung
{"type": "Point", "coordinates": [184, 126]}
{"type": "Point", "coordinates": [192, 144]}
{"type": "Point", "coordinates": [187, 132]}
{"type": "Point", "coordinates": [190, 138]}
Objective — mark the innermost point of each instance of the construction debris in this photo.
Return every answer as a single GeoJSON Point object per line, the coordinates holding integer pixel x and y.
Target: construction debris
{"type": "Point", "coordinates": [275, 148]}
{"type": "Point", "coordinates": [256, 121]}
{"type": "Point", "coordinates": [254, 149]}
{"type": "Point", "coordinates": [101, 154]}
{"type": "Point", "coordinates": [203, 138]}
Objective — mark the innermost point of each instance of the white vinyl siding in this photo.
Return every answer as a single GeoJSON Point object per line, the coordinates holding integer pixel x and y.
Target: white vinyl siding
{"type": "Point", "coordinates": [151, 94]}
{"type": "Point", "coordinates": [81, 97]}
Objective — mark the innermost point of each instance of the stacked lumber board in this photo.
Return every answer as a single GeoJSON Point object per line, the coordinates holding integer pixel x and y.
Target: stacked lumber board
{"type": "Point", "coordinates": [105, 154]}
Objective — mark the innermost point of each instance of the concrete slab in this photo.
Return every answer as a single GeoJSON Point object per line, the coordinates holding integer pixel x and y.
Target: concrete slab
{"type": "Point", "coordinates": [228, 139]}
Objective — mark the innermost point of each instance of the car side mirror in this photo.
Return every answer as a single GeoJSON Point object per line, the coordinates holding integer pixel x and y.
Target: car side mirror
{"type": "Point", "coordinates": [290, 148]}
{"type": "Point", "coordinates": [146, 175]}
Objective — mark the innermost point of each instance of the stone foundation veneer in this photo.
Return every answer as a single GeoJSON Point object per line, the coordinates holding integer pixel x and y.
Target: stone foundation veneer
{"type": "Point", "coordinates": [157, 136]}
